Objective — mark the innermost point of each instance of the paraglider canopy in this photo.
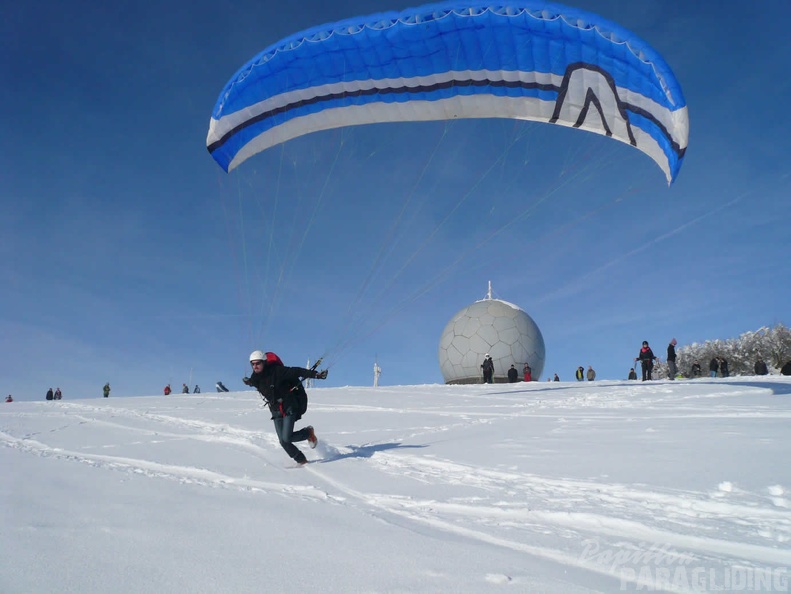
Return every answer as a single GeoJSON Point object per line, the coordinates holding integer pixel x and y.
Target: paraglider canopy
{"type": "Point", "coordinates": [532, 61]}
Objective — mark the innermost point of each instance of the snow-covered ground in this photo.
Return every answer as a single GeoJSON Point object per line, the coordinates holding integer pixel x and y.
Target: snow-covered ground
{"type": "Point", "coordinates": [542, 487]}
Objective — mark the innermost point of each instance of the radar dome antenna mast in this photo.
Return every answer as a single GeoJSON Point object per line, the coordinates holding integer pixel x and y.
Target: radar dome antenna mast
{"type": "Point", "coordinates": [489, 292]}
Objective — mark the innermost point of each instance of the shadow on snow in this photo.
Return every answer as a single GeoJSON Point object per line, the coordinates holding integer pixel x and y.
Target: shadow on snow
{"type": "Point", "coordinates": [365, 451]}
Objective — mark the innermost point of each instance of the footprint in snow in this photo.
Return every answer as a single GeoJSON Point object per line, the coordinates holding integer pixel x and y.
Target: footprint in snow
{"type": "Point", "coordinates": [497, 578]}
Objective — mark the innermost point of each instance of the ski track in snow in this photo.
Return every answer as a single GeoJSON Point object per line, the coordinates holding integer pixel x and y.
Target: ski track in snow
{"type": "Point", "coordinates": [546, 517]}
{"type": "Point", "coordinates": [536, 504]}
{"type": "Point", "coordinates": [201, 431]}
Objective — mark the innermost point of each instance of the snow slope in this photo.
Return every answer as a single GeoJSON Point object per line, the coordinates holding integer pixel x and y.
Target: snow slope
{"type": "Point", "coordinates": [540, 487]}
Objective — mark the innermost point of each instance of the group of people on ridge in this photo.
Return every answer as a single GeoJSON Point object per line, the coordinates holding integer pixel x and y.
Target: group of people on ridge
{"type": "Point", "coordinates": [647, 358]}
{"type": "Point", "coordinates": [56, 395]}
{"type": "Point", "coordinates": [184, 389]}
{"type": "Point", "coordinates": [513, 373]}
{"type": "Point", "coordinates": [167, 390]}
{"type": "Point", "coordinates": [718, 366]}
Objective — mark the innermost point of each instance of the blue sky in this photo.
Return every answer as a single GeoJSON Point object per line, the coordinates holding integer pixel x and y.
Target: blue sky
{"type": "Point", "coordinates": [127, 255]}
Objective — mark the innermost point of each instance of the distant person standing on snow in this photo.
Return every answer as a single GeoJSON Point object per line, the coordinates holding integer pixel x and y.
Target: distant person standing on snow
{"type": "Point", "coordinates": [488, 369]}
{"type": "Point", "coordinates": [672, 370]}
{"type": "Point", "coordinates": [50, 395]}
{"type": "Point", "coordinates": [196, 390]}
{"type": "Point", "coordinates": [185, 389]}
{"type": "Point", "coordinates": [632, 374]}
{"type": "Point", "coordinates": [106, 389]}
{"type": "Point", "coordinates": [714, 367]}
{"type": "Point", "coordinates": [528, 373]}
{"type": "Point", "coordinates": [513, 375]}
{"type": "Point", "coordinates": [58, 394]}
{"type": "Point", "coordinates": [9, 398]}
{"type": "Point", "coordinates": [695, 370]}
{"type": "Point", "coordinates": [591, 375]}
{"type": "Point", "coordinates": [760, 367]}
{"type": "Point", "coordinates": [724, 368]}
{"type": "Point", "coordinates": [646, 358]}
{"type": "Point", "coordinates": [580, 373]}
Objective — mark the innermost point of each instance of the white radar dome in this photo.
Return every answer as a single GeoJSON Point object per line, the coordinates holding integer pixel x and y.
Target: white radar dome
{"type": "Point", "coordinates": [501, 329]}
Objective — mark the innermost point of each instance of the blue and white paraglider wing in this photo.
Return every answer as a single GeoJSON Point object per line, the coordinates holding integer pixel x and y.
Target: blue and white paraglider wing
{"type": "Point", "coordinates": [531, 61]}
